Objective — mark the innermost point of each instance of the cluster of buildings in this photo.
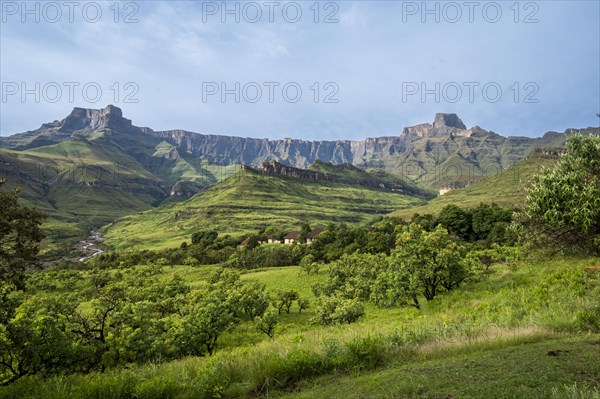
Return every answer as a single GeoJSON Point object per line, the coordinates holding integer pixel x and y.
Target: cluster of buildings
{"type": "Point", "coordinates": [290, 238]}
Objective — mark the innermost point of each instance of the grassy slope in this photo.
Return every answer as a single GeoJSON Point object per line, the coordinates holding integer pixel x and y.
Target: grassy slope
{"type": "Point", "coordinates": [487, 339]}
{"type": "Point", "coordinates": [187, 168]}
{"type": "Point", "coordinates": [247, 202]}
{"type": "Point", "coordinates": [510, 369]}
{"type": "Point", "coordinates": [370, 178]}
{"type": "Point", "coordinates": [79, 184]}
{"type": "Point", "coordinates": [505, 188]}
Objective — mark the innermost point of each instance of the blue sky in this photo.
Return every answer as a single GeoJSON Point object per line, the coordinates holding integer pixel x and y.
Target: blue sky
{"type": "Point", "coordinates": [367, 68]}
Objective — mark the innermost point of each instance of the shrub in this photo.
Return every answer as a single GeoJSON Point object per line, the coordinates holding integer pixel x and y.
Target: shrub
{"type": "Point", "coordinates": [191, 262]}
{"type": "Point", "coordinates": [337, 310]}
{"type": "Point", "coordinates": [360, 353]}
{"type": "Point", "coordinates": [365, 353]}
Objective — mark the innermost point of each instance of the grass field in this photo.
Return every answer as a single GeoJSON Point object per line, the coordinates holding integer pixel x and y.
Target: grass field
{"type": "Point", "coordinates": [486, 339]}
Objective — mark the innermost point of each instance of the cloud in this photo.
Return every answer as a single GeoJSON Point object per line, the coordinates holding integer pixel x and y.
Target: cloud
{"type": "Point", "coordinates": [371, 52]}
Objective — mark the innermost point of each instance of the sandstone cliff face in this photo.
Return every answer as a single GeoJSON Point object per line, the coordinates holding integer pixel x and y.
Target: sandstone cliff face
{"type": "Point", "coordinates": [275, 168]}
{"type": "Point", "coordinates": [227, 150]}
{"type": "Point", "coordinates": [422, 148]}
{"type": "Point", "coordinates": [300, 153]}
{"type": "Point", "coordinates": [416, 132]}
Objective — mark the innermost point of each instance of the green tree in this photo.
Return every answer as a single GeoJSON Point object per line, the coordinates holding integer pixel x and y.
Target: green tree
{"type": "Point", "coordinates": [486, 218]}
{"type": "Point", "coordinates": [352, 276]}
{"type": "Point", "coordinates": [36, 340]}
{"type": "Point", "coordinates": [456, 220]}
{"type": "Point", "coordinates": [427, 262]}
{"type": "Point", "coordinates": [254, 299]}
{"type": "Point", "coordinates": [253, 242]}
{"type": "Point", "coordinates": [204, 239]}
{"type": "Point", "coordinates": [427, 221]}
{"type": "Point", "coordinates": [306, 264]}
{"type": "Point", "coordinates": [482, 259]}
{"type": "Point", "coordinates": [204, 317]}
{"type": "Point", "coordinates": [267, 322]}
{"type": "Point", "coordinates": [303, 303]}
{"type": "Point", "coordinates": [304, 230]}
{"type": "Point", "coordinates": [20, 237]}
{"type": "Point", "coordinates": [562, 206]}
{"type": "Point", "coordinates": [284, 299]}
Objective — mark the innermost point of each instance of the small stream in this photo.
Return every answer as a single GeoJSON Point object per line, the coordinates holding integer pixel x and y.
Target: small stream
{"type": "Point", "coordinates": [90, 246]}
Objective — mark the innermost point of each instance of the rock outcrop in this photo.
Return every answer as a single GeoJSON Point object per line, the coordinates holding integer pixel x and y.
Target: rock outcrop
{"type": "Point", "coordinates": [274, 168]}
{"type": "Point", "coordinates": [448, 120]}
{"type": "Point", "coordinates": [110, 117]}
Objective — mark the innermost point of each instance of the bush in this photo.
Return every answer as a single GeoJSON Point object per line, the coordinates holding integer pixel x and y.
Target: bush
{"type": "Point", "coordinates": [337, 310]}
{"type": "Point", "coordinates": [191, 262]}
{"type": "Point", "coordinates": [361, 353]}
{"type": "Point", "coordinates": [366, 352]}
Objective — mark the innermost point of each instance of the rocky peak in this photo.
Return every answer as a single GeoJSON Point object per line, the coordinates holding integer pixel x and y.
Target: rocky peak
{"type": "Point", "coordinates": [84, 118]}
{"type": "Point", "coordinates": [448, 120]}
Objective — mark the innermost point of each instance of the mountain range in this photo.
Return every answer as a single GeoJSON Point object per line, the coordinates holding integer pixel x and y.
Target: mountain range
{"type": "Point", "coordinates": [455, 153]}
{"type": "Point", "coordinates": [95, 165]}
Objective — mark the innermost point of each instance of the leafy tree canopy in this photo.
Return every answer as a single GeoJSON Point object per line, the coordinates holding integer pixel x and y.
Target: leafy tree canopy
{"type": "Point", "coordinates": [20, 236]}
{"type": "Point", "coordinates": [563, 205]}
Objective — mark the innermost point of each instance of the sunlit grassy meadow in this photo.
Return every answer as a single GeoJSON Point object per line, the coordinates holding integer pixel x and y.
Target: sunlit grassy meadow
{"type": "Point", "coordinates": [487, 339]}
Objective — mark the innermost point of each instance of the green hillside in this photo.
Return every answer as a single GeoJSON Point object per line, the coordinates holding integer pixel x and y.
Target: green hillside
{"type": "Point", "coordinates": [375, 178]}
{"type": "Point", "coordinates": [87, 181]}
{"type": "Point", "coordinates": [505, 189]}
{"type": "Point", "coordinates": [95, 166]}
{"type": "Point", "coordinates": [80, 184]}
{"type": "Point", "coordinates": [250, 201]}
